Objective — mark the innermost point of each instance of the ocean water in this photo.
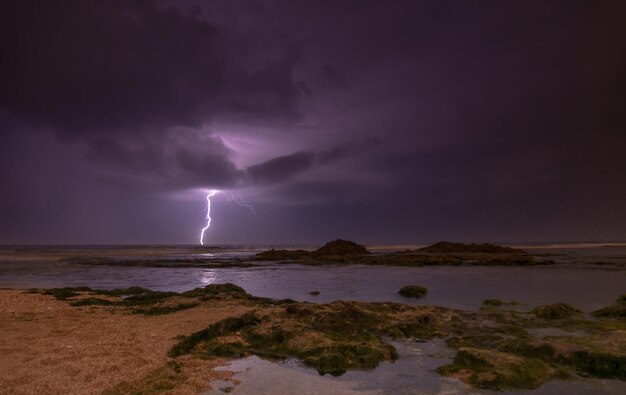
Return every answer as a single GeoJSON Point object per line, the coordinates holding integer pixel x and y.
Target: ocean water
{"type": "Point", "coordinates": [587, 276]}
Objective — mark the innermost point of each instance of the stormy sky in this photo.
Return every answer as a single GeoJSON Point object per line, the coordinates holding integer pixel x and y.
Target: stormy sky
{"type": "Point", "coordinates": [377, 121]}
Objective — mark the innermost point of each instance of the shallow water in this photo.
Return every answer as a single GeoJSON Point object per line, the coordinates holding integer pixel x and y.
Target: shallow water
{"type": "Point", "coordinates": [587, 286]}
{"type": "Point", "coordinates": [413, 370]}
{"type": "Point", "coordinates": [413, 373]}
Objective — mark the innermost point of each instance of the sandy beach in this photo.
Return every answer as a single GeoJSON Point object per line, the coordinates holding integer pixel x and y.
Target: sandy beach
{"type": "Point", "coordinates": [49, 347]}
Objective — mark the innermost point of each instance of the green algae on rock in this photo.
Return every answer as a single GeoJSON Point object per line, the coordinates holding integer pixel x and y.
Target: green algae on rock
{"type": "Point", "coordinates": [332, 338]}
{"type": "Point", "coordinates": [64, 293]}
{"type": "Point", "coordinates": [497, 348]}
{"type": "Point", "coordinates": [556, 311]}
{"type": "Point", "coordinates": [616, 310]}
{"type": "Point", "coordinates": [499, 303]}
{"type": "Point", "coordinates": [497, 370]}
{"type": "Point", "coordinates": [160, 310]}
{"type": "Point", "coordinates": [413, 291]}
{"type": "Point", "coordinates": [145, 301]}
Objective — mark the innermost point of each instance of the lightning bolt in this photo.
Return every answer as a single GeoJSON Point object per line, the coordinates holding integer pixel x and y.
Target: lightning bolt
{"type": "Point", "coordinates": [230, 195]}
{"type": "Point", "coordinates": [237, 199]}
{"type": "Point", "coordinates": [208, 215]}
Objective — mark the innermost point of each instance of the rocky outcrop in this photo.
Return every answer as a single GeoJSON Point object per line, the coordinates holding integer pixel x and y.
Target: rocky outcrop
{"type": "Point", "coordinates": [340, 247]}
{"type": "Point", "coordinates": [332, 250]}
{"type": "Point", "coordinates": [447, 247]}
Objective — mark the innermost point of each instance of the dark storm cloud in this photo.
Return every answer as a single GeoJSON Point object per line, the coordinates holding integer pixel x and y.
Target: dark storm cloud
{"type": "Point", "coordinates": [185, 159]}
{"type": "Point", "coordinates": [84, 67]}
{"type": "Point", "coordinates": [334, 77]}
{"type": "Point", "coordinates": [429, 119]}
{"type": "Point", "coordinates": [176, 159]}
{"type": "Point", "coordinates": [287, 166]}
{"type": "Point", "coordinates": [281, 168]}
{"type": "Point", "coordinates": [119, 76]}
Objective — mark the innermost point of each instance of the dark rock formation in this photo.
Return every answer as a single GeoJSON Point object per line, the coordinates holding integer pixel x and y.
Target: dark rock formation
{"type": "Point", "coordinates": [447, 247]}
{"type": "Point", "coordinates": [556, 311]}
{"type": "Point", "coordinates": [340, 248]}
{"type": "Point", "coordinates": [332, 249]}
{"type": "Point", "coordinates": [413, 291]}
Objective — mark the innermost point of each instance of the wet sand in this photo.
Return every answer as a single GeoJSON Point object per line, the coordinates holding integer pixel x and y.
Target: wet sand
{"type": "Point", "coordinates": [49, 347]}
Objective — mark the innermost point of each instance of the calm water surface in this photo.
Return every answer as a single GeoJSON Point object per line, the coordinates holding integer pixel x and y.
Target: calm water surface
{"type": "Point", "coordinates": [574, 279]}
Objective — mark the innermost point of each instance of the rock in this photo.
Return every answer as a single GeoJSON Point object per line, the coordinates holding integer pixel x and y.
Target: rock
{"type": "Point", "coordinates": [333, 250]}
{"type": "Point", "coordinates": [413, 291]}
{"type": "Point", "coordinates": [340, 248]}
{"type": "Point", "coordinates": [314, 293]}
{"type": "Point", "coordinates": [556, 311]}
{"type": "Point", "coordinates": [450, 247]}
{"type": "Point", "coordinates": [616, 310]}
{"type": "Point", "coordinates": [497, 370]}
{"type": "Point", "coordinates": [493, 302]}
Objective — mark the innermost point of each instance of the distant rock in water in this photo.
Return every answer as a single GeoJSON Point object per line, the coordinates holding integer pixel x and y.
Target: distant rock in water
{"type": "Point", "coordinates": [340, 248]}
{"type": "Point", "coordinates": [332, 249]}
{"type": "Point", "coordinates": [443, 253]}
{"type": "Point", "coordinates": [450, 247]}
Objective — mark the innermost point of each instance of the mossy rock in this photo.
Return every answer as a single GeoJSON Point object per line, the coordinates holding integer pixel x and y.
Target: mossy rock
{"type": "Point", "coordinates": [215, 290]}
{"type": "Point", "coordinates": [413, 291]}
{"type": "Point", "coordinates": [422, 327]}
{"type": "Point", "coordinates": [150, 297]}
{"type": "Point", "coordinates": [543, 351]}
{"type": "Point", "coordinates": [220, 328]}
{"type": "Point", "coordinates": [497, 370]}
{"type": "Point", "coordinates": [499, 303]}
{"type": "Point", "coordinates": [616, 310]}
{"type": "Point", "coordinates": [337, 359]}
{"type": "Point", "coordinates": [331, 338]}
{"type": "Point", "coordinates": [92, 302]}
{"type": "Point", "coordinates": [493, 302]}
{"type": "Point", "coordinates": [344, 321]}
{"type": "Point", "coordinates": [556, 311]}
{"type": "Point", "coordinates": [66, 292]}
{"type": "Point", "coordinates": [161, 310]}
{"type": "Point", "coordinates": [599, 364]}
